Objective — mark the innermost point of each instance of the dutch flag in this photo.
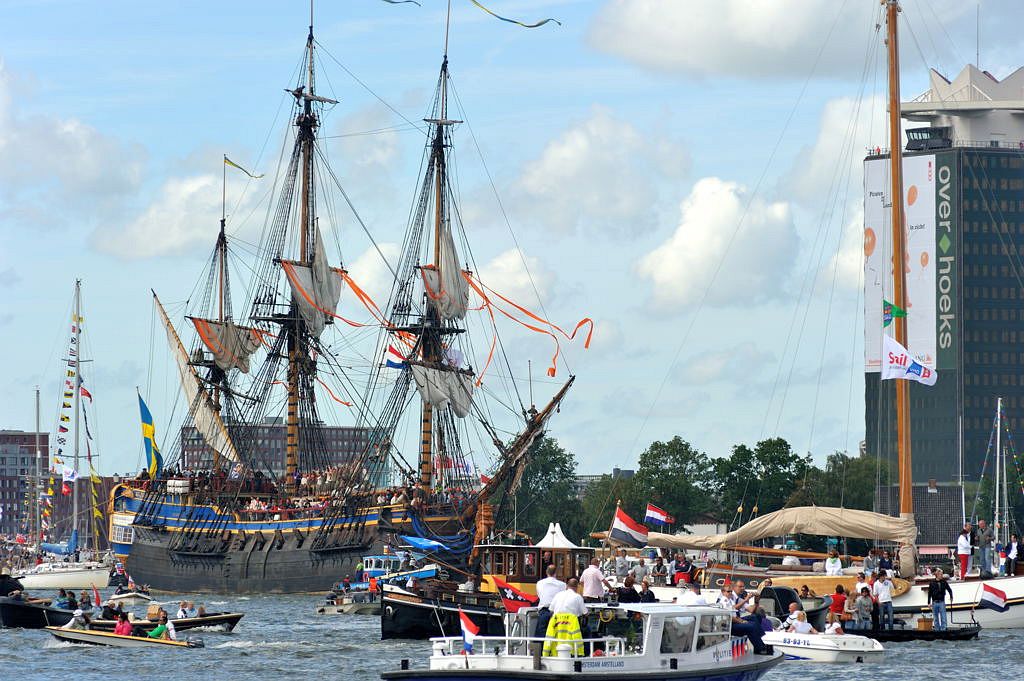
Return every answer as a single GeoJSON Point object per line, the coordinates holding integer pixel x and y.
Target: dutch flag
{"type": "Point", "coordinates": [469, 632]}
{"type": "Point", "coordinates": [655, 514]}
{"type": "Point", "coordinates": [393, 359]}
{"type": "Point", "coordinates": [627, 531]}
{"type": "Point", "coordinates": [993, 599]}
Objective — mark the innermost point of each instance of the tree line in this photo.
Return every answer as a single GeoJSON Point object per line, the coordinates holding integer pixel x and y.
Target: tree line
{"type": "Point", "coordinates": [689, 484]}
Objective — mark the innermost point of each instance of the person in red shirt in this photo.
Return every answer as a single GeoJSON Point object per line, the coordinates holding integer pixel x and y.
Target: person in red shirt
{"type": "Point", "coordinates": [123, 626]}
{"type": "Point", "coordinates": [835, 611]}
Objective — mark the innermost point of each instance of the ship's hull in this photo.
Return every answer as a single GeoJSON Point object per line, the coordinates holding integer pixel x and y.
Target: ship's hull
{"type": "Point", "coordinates": [409, 615]}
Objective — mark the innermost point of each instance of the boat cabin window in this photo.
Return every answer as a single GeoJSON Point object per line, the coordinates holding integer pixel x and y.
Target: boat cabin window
{"type": "Point", "coordinates": [488, 563]}
{"type": "Point", "coordinates": [512, 562]}
{"type": "Point", "coordinates": [530, 565]}
{"type": "Point", "coordinates": [714, 629]}
{"type": "Point", "coordinates": [499, 562]}
{"type": "Point", "coordinates": [582, 561]}
{"type": "Point", "coordinates": [677, 636]}
{"type": "Point", "coordinates": [560, 566]}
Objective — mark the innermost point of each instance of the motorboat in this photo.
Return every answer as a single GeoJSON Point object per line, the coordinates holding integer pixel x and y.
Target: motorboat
{"type": "Point", "coordinates": [131, 598]}
{"type": "Point", "coordinates": [222, 621]}
{"type": "Point", "coordinates": [825, 647]}
{"type": "Point", "coordinates": [629, 641]}
{"type": "Point", "coordinates": [106, 638]}
{"type": "Point", "coordinates": [350, 603]}
{"type": "Point", "coordinates": [52, 576]}
{"type": "Point", "coordinates": [20, 613]}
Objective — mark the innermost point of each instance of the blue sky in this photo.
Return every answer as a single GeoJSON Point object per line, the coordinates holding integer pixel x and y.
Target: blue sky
{"type": "Point", "coordinates": [626, 146]}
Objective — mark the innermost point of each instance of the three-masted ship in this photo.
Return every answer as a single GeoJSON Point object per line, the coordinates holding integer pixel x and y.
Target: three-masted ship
{"type": "Point", "coordinates": [239, 526]}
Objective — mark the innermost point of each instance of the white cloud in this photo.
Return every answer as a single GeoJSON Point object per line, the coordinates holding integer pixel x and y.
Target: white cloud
{"type": "Point", "coordinates": [601, 173]}
{"type": "Point", "coordinates": [781, 38]}
{"type": "Point", "coordinates": [519, 277]}
{"type": "Point", "coordinates": [737, 364]}
{"type": "Point", "coordinates": [372, 274]}
{"type": "Point", "coordinates": [753, 263]}
{"type": "Point", "coordinates": [365, 141]}
{"type": "Point", "coordinates": [58, 163]}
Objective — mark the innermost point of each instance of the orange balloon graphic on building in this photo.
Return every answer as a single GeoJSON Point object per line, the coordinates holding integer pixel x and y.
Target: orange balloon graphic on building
{"type": "Point", "coordinates": [912, 195]}
{"type": "Point", "coordinates": [869, 241]}
{"type": "Point", "coordinates": [924, 258]}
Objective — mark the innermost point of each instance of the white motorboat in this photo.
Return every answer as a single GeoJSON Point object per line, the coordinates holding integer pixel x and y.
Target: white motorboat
{"type": "Point", "coordinates": [350, 603]}
{"type": "Point", "coordinates": [629, 641]}
{"type": "Point", "coordinates": [132, 598]}
{"type": "Point", "coordinates": [825, 647]}
{"type": "Point", "coordinates": [106, 638]}
{"type": "Point", "coordinates": [54, 576]}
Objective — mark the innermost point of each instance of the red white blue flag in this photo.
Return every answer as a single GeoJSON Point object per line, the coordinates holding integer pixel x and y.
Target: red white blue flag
{"type": "Point", "coordinates": [656, 515]}
{"type": "Point", "coordinates": [393, 359]}
{"type": "Point", "coordinates": [627, 531]}
{"type": "Point", "coordinates": [993, 599]}
{"type": "Point", "coordinates": [469, 632]}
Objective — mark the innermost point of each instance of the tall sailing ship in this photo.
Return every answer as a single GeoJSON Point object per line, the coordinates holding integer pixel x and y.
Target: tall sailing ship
{"type": "Point", "coordinates": [239, 527]}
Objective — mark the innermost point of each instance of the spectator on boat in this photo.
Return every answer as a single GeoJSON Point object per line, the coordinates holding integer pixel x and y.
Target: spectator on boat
{"type": "Point", "coordinates": [739, 594]}
{"type": "Point", "coordinates": [123, 626]}
{"type": "Point", "coordinates": [594, 583]}
{"type": "Point", "coordinates": [691, 596]}
{"type": "Point", "coordinates": [621, 565]}
{"type": "Point", "coordinates": [72, 604]}
{"type": "Point", "coordinates": [160, 630]}
{"type": "Point", "coordinates": [359, 571]}
{"type": "Point", "coordinates": [861, 583]}
{"type": "Point", "coordinates": [182, 610]}
{"type": "Point", "coordinates": [807, 592]}
{"type": "Point", "coordinates": [201, 611]}
{"type": "Point", "coordinates": [765, 583]}
{"type": "Point", "coordinates": [551, 586]}
{"type": "Point", "coordinates": [346, 584]}
{"type": "Point", "coordinates": [725, 598]}
{"type": "Point", "coordinates": [937, 591]}
{"type": "Point", "coordinates": [794, 608]}
{"type": "Point", "coordinates": [871, 562]}
{"type": "Point", "coordinates": [833, 564]}
{"type": "Point", "coordinates": [191, 609]}
{"type": "Point", "coordinates": [659, 571]}
{"type": "Point", "coordinates": [1012, 551]}
{"type": "Point", "coordinates": [834, 629]}
{"type": "Point", "coordinates": [85, 599]}
{"type": "Point", "coordinates": [79, 620]}
{"type": "Point", "coordinates": [684, 570]}
{"type": "Point", "coordinates": [882, 591]}
{"type": "Point", "coordinates": [627, 592]}
{"type": "Point", "coordinates": [646, 595]}
{"type": "Point", "coordinates": [109, 612]}
{"type": "Point", "coordinates": [985, 539]}
{"type": "Point", "coordinates": [885, 564]}
{"type": "Point", "coordinates": [566, 609]}
{"type": "Point", "coordinates": [864, 607]}
{"type": "Point", "coordinates": [61, 600]}
{"type": "Point", "coordinates": [963, 550]}
{"type": "Point", "coordinates": [640, 571]}
{"type": "Point", "coordinates": [801, 625]}
{"type": "Point", "coordinates": [838, 605]}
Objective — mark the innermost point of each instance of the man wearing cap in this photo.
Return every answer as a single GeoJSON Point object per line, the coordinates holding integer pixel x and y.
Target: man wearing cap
{"type": "Point", "coordinates": [79, 620]}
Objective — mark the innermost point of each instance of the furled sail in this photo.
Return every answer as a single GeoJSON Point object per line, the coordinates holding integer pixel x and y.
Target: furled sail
{"type": "Point", "coordinates": [448, 290]}
{"type": "Point", "coordinates": [441, 388]}
{"type": "Point", "coordinates": [230, 344]}
{"type": "Point", "coordinates": [818, 520]}
{"type": "Point", "coordinates": [207, 419]}
{"type": "Point", "coordinates": [316, 287]}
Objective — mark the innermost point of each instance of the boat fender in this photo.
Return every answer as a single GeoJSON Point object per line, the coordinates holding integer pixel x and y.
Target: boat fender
{"type": "Point", "coordinates": [389, 612]}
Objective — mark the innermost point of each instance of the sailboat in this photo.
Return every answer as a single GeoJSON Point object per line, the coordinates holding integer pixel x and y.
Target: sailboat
{"type": "Point", "coordinates": [239, 526]}
{"type": "Point", "coordinates": [1002, 598]}
{"type": "Point", "coordinates": [72, 433]}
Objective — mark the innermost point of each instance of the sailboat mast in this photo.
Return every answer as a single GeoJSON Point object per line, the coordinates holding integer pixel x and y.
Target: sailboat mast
{"type": "Point", "coordinates": [898, 254]}
{"type": "Point", "coordinates": [296, 355]}
{"type": "Point", "coordinates": [77, 397]}
{"type": "Point", "coordinates": [37, 528]}
{"type": "Point", "coordinates": [999, 466]}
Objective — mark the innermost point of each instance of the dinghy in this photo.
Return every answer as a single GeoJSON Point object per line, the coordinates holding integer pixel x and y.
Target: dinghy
{"type": "Point", "coordinates": [106, 638]}
{"type": "Point", "coordinates": [825, 647]}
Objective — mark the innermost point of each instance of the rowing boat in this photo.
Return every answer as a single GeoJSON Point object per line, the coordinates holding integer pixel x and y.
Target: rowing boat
{"type": "Point", "coordinates": [106, 638]}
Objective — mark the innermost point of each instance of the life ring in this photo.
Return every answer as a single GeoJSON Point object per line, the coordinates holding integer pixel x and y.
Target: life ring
{"type": "Point", "coordinates": [609, 613]}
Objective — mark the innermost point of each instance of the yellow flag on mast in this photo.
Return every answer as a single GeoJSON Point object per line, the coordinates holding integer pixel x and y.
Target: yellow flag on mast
{"type": "Point", "coordinates": [229, 162]}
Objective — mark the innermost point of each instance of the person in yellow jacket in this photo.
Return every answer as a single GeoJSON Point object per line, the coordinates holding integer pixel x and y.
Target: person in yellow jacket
{"type": "Point", "coordinates": [566, 609]}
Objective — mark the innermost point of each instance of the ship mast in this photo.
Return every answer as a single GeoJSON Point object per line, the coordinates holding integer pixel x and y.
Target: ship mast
{"type": "Point", "coordinates": [77, 396]}
{"type": "Point", "coordinates": [306, 123]}
{"type": "Point", "coordinates": [898, 256]}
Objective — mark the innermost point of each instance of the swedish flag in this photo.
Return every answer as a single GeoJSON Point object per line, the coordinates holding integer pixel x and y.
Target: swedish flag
{"type": "Point", "coordinates": [154, 461]}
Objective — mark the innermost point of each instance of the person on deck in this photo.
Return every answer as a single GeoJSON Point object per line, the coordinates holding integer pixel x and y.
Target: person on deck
{"type": "Point", "coordinates": [937, 591]}
{"type": "Point", "coordinates": [110, 612]}
{"type": "Point", "coordinates": [627, 593]}
{"type": "Point", "coordinates": [566, 609]}
{"type": "Point", "coordinates": [870, 562]}
{"type": "Point", "coordinates": [794, 609]}
{"type": "Point", "coordinates": [1012, 552]}
{"type": "Point", "coordinates": [62, 599]}
{"type": "Point", "coordinates": [838, 606]}
{"type": "Point", "coordinates": [621, 565]}
{"type": "Point", "coordinates": [659, 571]}
{"type": "Point", "coordinates": [594, 583]}
{"type": "Point", "coordinates": [646, 595]}
{"type": "Point", "coordinates": [833, 564]}
{"type": "Point", "coordinates": [691, 596]}
{"type": "Point", "coordinates": [963, 551]}
{"type": "Point", "coordinates": [863, 607]}
{"type": "Point", "coordinates": [985, 539]}
{"type": "Point", "coordinates": [123, 626]}
{"type": "Point", "coordinates": [160, 630]}
{"type": "Point", "coordinates": [801, 625]}
{"type": "Point", "coordinates": [182, 610]}
{"type": "Point", "coordinates": [885, 564]}
{"type": "Point", "coordinates": [79, 620]}
{"type": "Point", "coordinates": [640, 571]}
{"type": "Point", "coordinates": [882, 591]}
{"type": "Point", "coordinates": [547, 589]}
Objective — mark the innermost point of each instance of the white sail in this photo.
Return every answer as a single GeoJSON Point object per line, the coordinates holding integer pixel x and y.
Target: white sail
{"type": "Point", "coordinates": [207, 418]}
{"type": "Point", "coordinates": [448, 291]}
{"type": "Point", "coordinates": [444, 388]}
{"type": "Point", "coordinates": [316, 287]}
{"type": "Point", "coordinates": [230, 344]}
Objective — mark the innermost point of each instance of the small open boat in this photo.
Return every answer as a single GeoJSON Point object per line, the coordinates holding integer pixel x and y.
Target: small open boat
{"type": "Point", "coordinates": [17, 613]}
{"type": "Point", "coordinates": [825, 647]}
{"type": "Point", "coordinates": [106, 638]}
{"type": "Point", "coordinates": [224, 621]}
{"type": "Point", "coordinates": [904, 634]}
{"type": "Point", "coordinates": [131, 598]}
{"type": "Point", "coordinates": [350, 603]}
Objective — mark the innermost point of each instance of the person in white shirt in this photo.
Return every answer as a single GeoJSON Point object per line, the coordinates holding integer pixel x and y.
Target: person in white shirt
{"type": "Point", "coordinates": [726, 599]}
{"type": "Point", "coordinates": [800, 625]}
{"type": "Point", "coordinates": [547, 589]}
{"type": "Point", "coordinates": [834, 629]}
{"type": "Point", "coordinates": [691, 596]}
{"type": "Point", "coordinates": [1012, 552]}
{"type": "Point", "coordinates": [172, 635]}
{"type": "Point", "coordinates": [794, 613]}
{"type": "Point", "coordinates": [640, 571]}
{"type": "Point", "coordinates": [182, 611]}
{"type": "Point", "coordinates": [963, 550]}
{"type": "Point", "coordinates": [593, 581]}
{"type": "Point", "coordinates": [882, 591]}
{"type": "Point", "coordinates": [568, 601]}
{"type": "Point", "coordinates": [861, 583]}
{"type": "Point", "coordinates": [833, 564]}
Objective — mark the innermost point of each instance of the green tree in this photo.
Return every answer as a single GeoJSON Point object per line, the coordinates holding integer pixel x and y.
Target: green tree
{"type": "Point", "coordinates": [674, 476]}
{"type": "Point", "coordinates": [760, 480]}
{"type": "Point", "coordinates": [599, 499]}
{"type": "Point", "coordinates": [548, 492]}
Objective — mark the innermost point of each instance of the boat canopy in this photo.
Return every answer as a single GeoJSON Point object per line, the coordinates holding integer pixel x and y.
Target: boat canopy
{"type": "Point", "coordinates": [556, 539]}
{"type": "Point", "coordinates": [819, 520]}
